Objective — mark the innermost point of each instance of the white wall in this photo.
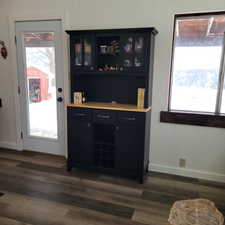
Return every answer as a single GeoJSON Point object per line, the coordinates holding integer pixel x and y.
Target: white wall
{"type": "Point", "coordinates": [204, 148]}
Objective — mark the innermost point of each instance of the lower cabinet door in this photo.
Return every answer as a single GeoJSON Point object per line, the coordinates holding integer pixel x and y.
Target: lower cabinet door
{"type": "Point", "coordinates": [129, 147]}
{"type": "Point", "coordinates": [80, 144]}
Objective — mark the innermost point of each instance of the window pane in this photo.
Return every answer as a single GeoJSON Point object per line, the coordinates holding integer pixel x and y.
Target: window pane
{"type": "Point", "coordinates": [223, 99]}
{"type": "Point", "coordinates": [196, 62]}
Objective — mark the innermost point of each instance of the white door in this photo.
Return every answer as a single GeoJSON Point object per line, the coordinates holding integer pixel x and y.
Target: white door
{"type": "Point", "coordinates": [39, 57]}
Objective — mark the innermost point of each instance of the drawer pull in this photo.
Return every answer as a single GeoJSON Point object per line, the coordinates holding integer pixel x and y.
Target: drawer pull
{"type": "Point", "coordinates": [80, 114]}
{"type": "Point", "coordinates": [129, 118]}
{"type": "Point", "coordinates": [103, 116]}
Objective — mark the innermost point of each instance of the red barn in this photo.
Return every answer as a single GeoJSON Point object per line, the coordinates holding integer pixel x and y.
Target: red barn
{"type": "Point", "coordinates": [37, 84]}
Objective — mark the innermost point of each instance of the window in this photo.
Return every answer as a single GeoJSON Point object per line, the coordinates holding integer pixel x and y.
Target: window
{"type": "Point", "coordinates": [197, 74]}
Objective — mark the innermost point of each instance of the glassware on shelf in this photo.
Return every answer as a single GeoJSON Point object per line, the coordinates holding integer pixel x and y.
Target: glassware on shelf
{"type": "Point", "coordinates": [110, 68]}
{"type": "Point", "coordinates": [78, 54]}
{"type": "Point", "coordinates": [103, 49]}
{"type": "Point", "coordinates": [128, 48]}
{"type": "Point", "coordinates": [139, 44]}
{"type": "Point", "coordinates": [115, 47]}
{"type": "Point", "coordinates": [137, 61]}
{"type": "Point", "coordinates": [87, 52]}
{"type": "Point", "coordinates": [111, 49]}
{"type": "Point", "coordinates": [127, 63]}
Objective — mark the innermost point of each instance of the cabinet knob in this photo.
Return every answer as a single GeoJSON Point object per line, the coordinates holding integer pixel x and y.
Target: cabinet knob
{"type": "Point", "coordinates": [117, 127]}
{"type": "Point", "coordinates": [89, 124]}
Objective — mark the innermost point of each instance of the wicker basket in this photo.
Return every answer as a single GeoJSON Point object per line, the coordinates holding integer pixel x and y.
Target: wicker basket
{"type": "Point", "coordinates": [195, 212]}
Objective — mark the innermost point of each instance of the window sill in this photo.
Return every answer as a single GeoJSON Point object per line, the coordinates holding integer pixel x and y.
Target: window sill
{"type": "Point", "coordinates": [193, 118]}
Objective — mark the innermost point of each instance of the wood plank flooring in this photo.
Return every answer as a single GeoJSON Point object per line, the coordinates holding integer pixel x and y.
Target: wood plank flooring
{"type": "Point", "coordinates": [36, 189]}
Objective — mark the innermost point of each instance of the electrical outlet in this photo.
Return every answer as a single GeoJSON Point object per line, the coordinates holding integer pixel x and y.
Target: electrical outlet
{"type": "Point", "coordinates": [182, 162]}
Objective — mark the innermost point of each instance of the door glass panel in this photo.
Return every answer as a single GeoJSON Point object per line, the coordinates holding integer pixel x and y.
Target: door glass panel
{"type": "Point", "coordinates": [78, 52]}
{"type": "Point", "coordinates": [41, 84]}
{"type": "Point", "coordinates": [87, 52]}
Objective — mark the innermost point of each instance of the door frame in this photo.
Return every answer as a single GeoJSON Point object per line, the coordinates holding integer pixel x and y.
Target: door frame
{"type": "Point", "coordinates": [14, 69]}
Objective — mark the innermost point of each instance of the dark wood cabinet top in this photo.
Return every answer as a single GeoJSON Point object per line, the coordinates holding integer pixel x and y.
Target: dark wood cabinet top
{"type": "Point", "coordinates": [119, 30]}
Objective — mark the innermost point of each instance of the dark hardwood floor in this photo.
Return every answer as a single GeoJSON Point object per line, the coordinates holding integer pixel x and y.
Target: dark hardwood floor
{"type": "Point", "coordinates": [36, 189]}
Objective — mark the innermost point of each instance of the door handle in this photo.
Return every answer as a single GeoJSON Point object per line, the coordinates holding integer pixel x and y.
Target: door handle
{"type": "Point", "coordinates": [128, 118]}
{"type": "Point", "coordinates": [80, 114]}
{"type": "Point", "coordinates": [103, 116]}
{"type": "Point", "coordinates": [59, 99]}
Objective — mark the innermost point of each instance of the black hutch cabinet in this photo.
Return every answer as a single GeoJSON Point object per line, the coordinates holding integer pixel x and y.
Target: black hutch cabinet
{"type": "Point", "coordinates": [109, 133]}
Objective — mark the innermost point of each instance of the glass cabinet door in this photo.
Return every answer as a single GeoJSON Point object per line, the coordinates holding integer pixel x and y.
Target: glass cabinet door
{"type": "Point", "coordinates": [139, 44]}
{"type": "Point", "coordinates": [128, 50]}
{"type": "Point", "coordinates": [83, 52]}
{"type": "Point", "coordinates": [134, 52]}
{"type": "Point", "coordinates": [88, 50]}
{"type": "Point", "coordinates": [139, 51]}
{"type": "Point", "coordinates": [78, 49]}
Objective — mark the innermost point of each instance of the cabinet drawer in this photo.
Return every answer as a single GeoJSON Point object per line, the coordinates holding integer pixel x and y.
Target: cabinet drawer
{"type": "Point", "coordinates": [80, 114]}
{"type": "Point", "coordinates": [131, 117]}
{"type": "Point", "coordinates": [104, 116]}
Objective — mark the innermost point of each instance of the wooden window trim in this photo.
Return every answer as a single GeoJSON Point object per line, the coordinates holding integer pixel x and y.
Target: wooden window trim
{"type": "Point", "coordinates": [189, 117]}
{"type": "Point", "coordinates": [193, 118]}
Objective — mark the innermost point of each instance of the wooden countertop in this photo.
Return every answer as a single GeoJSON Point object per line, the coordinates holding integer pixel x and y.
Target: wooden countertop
{"type": "Point", "coordinates": [110, 106]}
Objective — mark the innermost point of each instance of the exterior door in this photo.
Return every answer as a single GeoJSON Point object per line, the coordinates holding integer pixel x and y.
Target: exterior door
{"type": "Point", "coordinates": [39, 56]}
